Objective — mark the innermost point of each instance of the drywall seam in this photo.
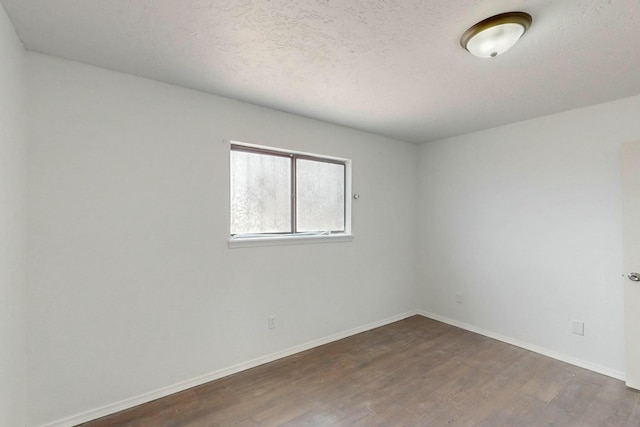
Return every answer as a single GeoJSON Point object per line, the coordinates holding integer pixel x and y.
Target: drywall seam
{"type": "Point", "coordinates": [184, 385]}
{"type": "Point", "coordinates": [527, 346]}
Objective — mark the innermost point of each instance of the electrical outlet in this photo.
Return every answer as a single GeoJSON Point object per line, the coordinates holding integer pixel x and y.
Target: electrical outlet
{"type": "Point", "coordinates": [459, 298]}
{"type": "Point", "coordinates": [272, 322]}
{"type": "Point", "coordinates": [578, 327]}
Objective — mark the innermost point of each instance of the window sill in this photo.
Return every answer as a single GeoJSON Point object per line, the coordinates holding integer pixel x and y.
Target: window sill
{"type": "Point", "coordinates": [288, 240]}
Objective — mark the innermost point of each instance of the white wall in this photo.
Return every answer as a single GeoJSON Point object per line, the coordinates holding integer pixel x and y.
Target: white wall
{"type": "Point", "coordinates": [132, 285]}
{"type": "Point", "coordinates": [12, 226]}
{"type": "Point", "coordinates": [524, 221]}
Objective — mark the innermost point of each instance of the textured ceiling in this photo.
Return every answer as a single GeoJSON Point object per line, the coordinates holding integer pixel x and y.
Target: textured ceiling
{"type": "Point", "coordinates": [392, 67]}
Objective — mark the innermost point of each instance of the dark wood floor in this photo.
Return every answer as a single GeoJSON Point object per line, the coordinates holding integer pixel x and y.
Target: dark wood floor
{"type": "Point", "coordinates": [416, 372]}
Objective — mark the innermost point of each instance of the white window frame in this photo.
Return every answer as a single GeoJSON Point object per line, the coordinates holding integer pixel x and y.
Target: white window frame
{"type": "Point", "coordinates": [253, 240]}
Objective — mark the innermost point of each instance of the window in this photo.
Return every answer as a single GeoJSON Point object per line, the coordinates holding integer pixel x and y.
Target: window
{"type": "Point", "coordinates": [277, 193]}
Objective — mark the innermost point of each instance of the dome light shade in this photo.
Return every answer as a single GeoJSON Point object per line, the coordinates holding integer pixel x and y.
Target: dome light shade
{"type": "Point", "coordinates": [495, 35]}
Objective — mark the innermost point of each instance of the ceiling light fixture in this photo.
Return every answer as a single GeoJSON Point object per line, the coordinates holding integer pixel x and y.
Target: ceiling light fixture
{"type": "Point", "coordinates": [495, 35]}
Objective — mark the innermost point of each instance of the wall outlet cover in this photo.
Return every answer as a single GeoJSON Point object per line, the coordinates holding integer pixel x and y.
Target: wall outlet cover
{"type": "Point", "coordinates": [578, 327]}
{"type": "Point", "coordinates": [272, 322]}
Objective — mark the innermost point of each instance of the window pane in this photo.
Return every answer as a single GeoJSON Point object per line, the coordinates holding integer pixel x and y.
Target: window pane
{"type": "Point", "coordinates": [260, 193]}
{"type": "Point", "coordinates": [320, 196]}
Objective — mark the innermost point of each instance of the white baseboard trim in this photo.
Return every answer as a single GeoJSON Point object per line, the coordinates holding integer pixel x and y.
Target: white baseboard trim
{"type": "Point", "coordinates": [184, 385]}
{"type": "Point", "coordinates": [527, 346]}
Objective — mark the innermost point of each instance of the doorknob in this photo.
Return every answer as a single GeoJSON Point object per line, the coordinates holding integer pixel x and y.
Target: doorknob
{"type": "Point", "coordinates": [634, 277]}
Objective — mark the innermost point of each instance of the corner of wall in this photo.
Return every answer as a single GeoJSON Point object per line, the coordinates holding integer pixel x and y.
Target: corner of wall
{"type": "Point", "coordinates": [13, 167]}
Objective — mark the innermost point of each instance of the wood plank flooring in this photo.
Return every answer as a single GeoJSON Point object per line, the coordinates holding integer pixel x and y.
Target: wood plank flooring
{"type": "Point", "coordinates": [416, 372]}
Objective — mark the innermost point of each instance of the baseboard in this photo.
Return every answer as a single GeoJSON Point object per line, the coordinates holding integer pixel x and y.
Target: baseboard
{"type": "Point", "coordinates": [527, 346]}
{"type": "Point", "coordinates": [193, 382]}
